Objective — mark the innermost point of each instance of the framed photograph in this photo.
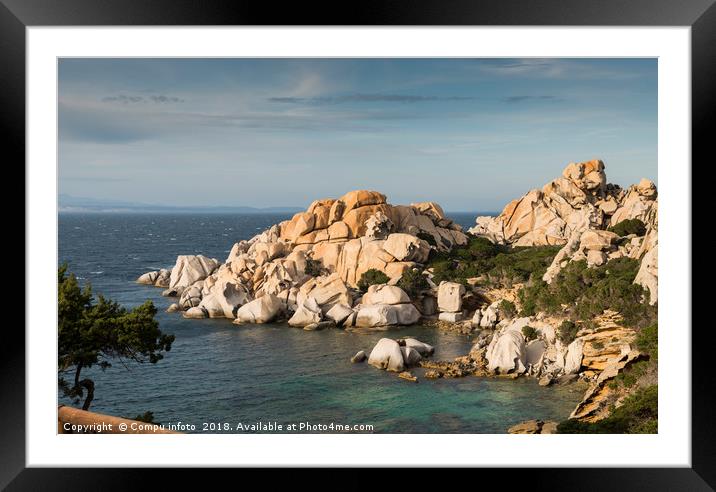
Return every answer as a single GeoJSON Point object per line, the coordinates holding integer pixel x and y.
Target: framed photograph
{"type": "Point", "coordinates": [418, 236]}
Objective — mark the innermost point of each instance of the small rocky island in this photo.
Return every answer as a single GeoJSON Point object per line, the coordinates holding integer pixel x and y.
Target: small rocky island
{"type": "Point", "coordinates": [558, 287]}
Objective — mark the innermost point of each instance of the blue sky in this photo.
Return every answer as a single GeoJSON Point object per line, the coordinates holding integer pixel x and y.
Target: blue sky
{"type": "Point", "coordinates": [471, 134]}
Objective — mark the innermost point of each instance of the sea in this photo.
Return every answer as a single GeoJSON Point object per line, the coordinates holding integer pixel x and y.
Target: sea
{"type": "Point", "coordinates": [221, 377]}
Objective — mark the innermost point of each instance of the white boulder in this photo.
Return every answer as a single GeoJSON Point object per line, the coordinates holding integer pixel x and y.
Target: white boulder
{"type": "Point", "coordinates": [148, 278]}
{"type": "Point", "coordinates": [339, 313]}
{"type": "Point", "coordinates": [450, 317]}
{"type": "Point", "coordinates": [384, 294]}
{"type": "Point", "coordinates": [261, 310]}
{"type": "Point", "coordinates": [190, 268]}
{"type": "Point", "coordinates": [308, 312]}
{"type": "Point", "coordinates": [573, 357]}
{"type": "Point", "coordinates": [423, 348]}
{"type": "Point", "coordinates": [506, 353]}
{"type": "Point", "coordinates": [406, 247]}
{"type": "Point", "coordinates": [375, 315]}
{"type": "Point", "coordinates": [195, 313]}
{"type": "Point", "coordinates": [450, 296]}
{"type": "Point", "coordinates": [387, 355]}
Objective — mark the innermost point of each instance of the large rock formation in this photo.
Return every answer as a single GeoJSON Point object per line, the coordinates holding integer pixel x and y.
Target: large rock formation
{"type": "Point", "coordinates": [319, 254]}
{"type": "Point", "coordinates": [579, 200]}
{"type": "Point", "coordinates": [575, 210]}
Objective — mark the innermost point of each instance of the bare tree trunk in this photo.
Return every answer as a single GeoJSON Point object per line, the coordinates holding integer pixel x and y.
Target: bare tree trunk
{"type": "Point", "coordinates": [89, 385]}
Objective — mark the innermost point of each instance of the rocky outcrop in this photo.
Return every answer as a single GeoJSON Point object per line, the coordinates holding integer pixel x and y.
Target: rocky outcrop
{"type": "Point", "coordinates": [648, 275]}
{"type": "Point", "coordinates": [320, 253]}
{"type": "Point", "coordinates": [506, 351]}
{"type": "Point", "coordinates": [577, 201]}
{"type": "Point", "coordinates": [157, 278]}
{"type": "Point", "coordinates": [397, 355]}
{"type": "Point", "coordinates": [189, 269]}
{"type": "Point", "coordinates": [575, 210]}
{"type": "Point", "coordinates": [550, 215]}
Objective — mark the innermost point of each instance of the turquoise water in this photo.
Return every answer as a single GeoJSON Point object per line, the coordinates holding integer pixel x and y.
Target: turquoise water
{"type": "Point", "coordinates": [225, 374]}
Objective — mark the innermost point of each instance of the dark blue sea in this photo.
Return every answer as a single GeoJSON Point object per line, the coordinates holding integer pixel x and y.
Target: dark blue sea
{"type": "Point", "coordinates": [221, 373]}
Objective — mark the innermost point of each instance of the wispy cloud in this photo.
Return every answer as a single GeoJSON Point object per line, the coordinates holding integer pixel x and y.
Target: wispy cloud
{"type": "Point", "coordinates": [127, 99]}
{"type": "Point", "coordinates": [367, 98]}
{"type": "Point", "coordinates": [525, 98]}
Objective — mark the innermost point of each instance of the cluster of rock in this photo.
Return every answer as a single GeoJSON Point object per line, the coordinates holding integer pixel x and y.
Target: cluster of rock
{"type": "Point", "coordinates": [396, 355]}
{"type": "Point", "coordinates": [507, 351]}
{"type": "Point", "coordinates": [306, 269]}
{"type": "Point", "coordinates": [575, 210]}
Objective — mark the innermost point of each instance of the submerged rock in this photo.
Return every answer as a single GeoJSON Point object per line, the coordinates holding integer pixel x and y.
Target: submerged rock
{"type": "Point", "coordinates": [408, 376]}
{"type": "Point", "coordinates": [359, 357]}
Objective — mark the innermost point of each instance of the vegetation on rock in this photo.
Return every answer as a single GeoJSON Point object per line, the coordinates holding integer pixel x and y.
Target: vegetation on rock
{"type": "Point", "coordinates": [413, 282]}
{"type": "Point", "coordinates": [498, 265]}
{"type": "Point", "coordinates": [529, 333]}
{"type": "Point", "coordinates": [647, 341]}
{"type": "Point", "coordinates": [567, 332]}
{"type": "Point", "coordinates": [629, 226]}
{"type": "Point", "coordinates": [638, 414]}
{"type": "Point", "coordinates": [96, 332]}
{"type": "Point", "coordinates": [372, 277]}
{"type": "Point", "coordinates": [314, 268]}
{"type": "Point", "coordinates": [582, 293]}
{"type": "Point", "coordinates": [507, 309]}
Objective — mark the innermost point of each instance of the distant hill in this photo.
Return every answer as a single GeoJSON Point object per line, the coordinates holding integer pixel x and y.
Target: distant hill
{"type": "Point", "coordinates": [75, 204]}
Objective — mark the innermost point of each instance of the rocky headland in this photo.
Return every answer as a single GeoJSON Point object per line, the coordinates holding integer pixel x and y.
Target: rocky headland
{"type": "Point", "coordinates": [559, 286]}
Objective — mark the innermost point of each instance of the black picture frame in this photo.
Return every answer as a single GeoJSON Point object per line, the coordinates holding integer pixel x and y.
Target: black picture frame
{"type": "Point", "coordinates": [700, 15]}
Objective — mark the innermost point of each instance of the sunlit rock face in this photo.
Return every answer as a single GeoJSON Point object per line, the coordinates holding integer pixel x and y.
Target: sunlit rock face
{"type": "Point", "coordinates": [319, 253]}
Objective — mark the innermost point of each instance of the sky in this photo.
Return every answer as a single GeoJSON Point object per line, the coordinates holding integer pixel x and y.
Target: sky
{"type": "Point", "coordinates": [471, 134]}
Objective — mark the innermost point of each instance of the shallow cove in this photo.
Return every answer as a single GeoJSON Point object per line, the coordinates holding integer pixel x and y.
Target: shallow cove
{"type": "Point", "coordinates": [220, 372]}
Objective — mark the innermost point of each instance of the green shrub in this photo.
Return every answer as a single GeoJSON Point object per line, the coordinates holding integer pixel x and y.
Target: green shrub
{"type": "Point", "coordinates": [499, 265]}
{"type": "Point", "coordinates": [647, 341]}
{"type": "Point", "coordinates": [482, 248]}
{"type": "Point", "coordinates": [629, 226]}
{"type": "Point", "coordinates": [567, 332]}
{"type": "Point", "coordinates": [598, 345]}
{"type": "Point", "coordinates": [372, 277]}
{"type": "Point", "coordinates": [638, 415]}
{"type": "Point", "coordinates": [589, 291]}
{"type": "Point", "coordinates": [507, 308]}
{"type": "Point", "coordinates": [529, 333]}
{"type": "Point", "coordinates": [314, 268]}
{"type": "Point", "coordinates": [630, 375]}
{"type": "Point", "coordinates": [413, 281]}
